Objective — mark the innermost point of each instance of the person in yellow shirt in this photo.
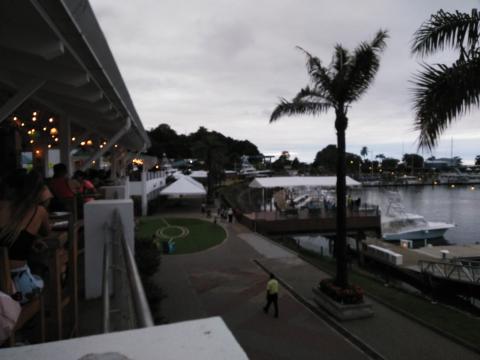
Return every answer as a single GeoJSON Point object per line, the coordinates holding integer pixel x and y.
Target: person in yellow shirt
{"type": "Point", "coordinates": [272, 295]}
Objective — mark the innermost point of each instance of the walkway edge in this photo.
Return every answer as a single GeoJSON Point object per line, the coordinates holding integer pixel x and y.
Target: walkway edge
{"type": "Point", "coordinates": [409, 316]}
{"type": "Point", "coordinates": [369, 351]}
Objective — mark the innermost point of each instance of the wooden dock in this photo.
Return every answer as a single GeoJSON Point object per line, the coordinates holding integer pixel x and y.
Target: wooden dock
{"type": "Point", "coordinates": [304, 221]}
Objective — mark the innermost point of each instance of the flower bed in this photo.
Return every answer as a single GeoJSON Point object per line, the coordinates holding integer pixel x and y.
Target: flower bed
{"type": "Point", "coordinates": [351, 295]}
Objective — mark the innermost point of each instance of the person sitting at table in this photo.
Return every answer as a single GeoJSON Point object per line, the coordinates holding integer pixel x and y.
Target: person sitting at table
{"type": "Point", "coordinates": [86, 186]}
{"type": "Point", "coordinates": [63, 188]}
{"type": "Point", "coordinates": [22, 221]}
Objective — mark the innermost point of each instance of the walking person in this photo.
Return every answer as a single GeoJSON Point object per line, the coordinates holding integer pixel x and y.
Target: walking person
{"type": "Point", "coordinates": [230, 215]}
{"type": "Point", "coordinates": [272, 295]}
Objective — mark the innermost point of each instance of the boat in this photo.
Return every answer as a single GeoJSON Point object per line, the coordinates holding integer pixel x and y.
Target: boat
{"type": "Point", "coordinates": [397, 224]}
{"type": "Point", "coordinates": [413, 227]}
{"type": "Point", "coordinates": [247, 170]}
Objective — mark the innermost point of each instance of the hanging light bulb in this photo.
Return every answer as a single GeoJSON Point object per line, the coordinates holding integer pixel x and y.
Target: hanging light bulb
{"type": "Point", "coordinates": [31, 141]}
{"type": "Point", "coordinates": [34, 118]}
{"type": "Point", "coordinates": [37, 152]}
{"type": "Point", "coordinates": [34, 113]}
{"type": "Point", "coordinates": [49, 146]}
{"type": "Point", "coordinates": [53, 131]}
{"type": "Point", "coordinates": [82, 143]}
{"type": "Point", "coordinates": [101, 146]}
{"type": "Point", "coordinates": [15, 118]}
{"type": "Point", "coordinates": [56, 139]}
{"type": "Point", "coordinates": [44, 128]}
{"type": "Point", "coordinates": [33, 131]}
{"type": "Point", "coordinates": [50, 120]}
{"type": "Point", "coordinates": [116, 145]}
{"type": "Point", "coordinates": [29, 132]}
{"type": "Point", "coordinates": [73, 138]}
{"type": "Point", "coordinates": [89, 142]}
{"type": "Point", "coordinates": [22, 124]}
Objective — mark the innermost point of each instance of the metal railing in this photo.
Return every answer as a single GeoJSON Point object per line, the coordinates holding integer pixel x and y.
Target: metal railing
{"type": "Point", "coordinates": [461, 270]}
{"type": "Point", "coordinates": [129, 303]}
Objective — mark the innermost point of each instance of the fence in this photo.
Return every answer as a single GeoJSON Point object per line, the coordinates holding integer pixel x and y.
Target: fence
{"type": "Point", "coordinates": [122, 291]}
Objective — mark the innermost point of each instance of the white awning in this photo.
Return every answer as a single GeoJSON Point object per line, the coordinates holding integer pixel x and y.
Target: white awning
{"type": "Point", "coordinates": [299, 181]}
{"type": "Point", "coordinates": [185, 186]}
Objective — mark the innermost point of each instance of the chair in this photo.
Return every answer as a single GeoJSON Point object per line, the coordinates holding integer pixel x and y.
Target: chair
{"type": "Point", "coordinates": [30, 309]}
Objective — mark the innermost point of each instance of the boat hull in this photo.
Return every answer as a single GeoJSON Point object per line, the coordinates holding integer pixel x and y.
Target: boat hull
{"type": "Point", "coordinates": [420, 234]}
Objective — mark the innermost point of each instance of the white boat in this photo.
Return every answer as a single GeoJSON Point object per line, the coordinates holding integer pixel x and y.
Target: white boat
{"type": "Point", "coordinates": [413, 227]}
{"type": "Point", "coordinates": [248, 170]}
{"type": "Point", "coordinates": [397, 224]}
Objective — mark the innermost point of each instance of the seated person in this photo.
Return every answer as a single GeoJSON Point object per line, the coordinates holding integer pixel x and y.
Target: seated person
{"type": "Point", "coordinates": [22, 221]}
{"type": "Point", "coordinates": [86, 187]}
{"type": "Point", "coordinates": [62, 187]}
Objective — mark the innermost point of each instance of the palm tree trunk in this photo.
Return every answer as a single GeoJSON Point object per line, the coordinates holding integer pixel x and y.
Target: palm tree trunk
{"type": "Point", "coordinates": [341, 238]}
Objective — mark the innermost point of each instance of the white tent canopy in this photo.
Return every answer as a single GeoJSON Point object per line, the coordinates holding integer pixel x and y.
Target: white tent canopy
{"type": "Point", "coordinates": [299, 181]}
{"type": "Point", "coordinates": [185, 186]}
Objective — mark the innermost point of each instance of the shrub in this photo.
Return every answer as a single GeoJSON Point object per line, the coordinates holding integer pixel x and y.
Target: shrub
{"type": "Point", "coordinates": [353, 294]}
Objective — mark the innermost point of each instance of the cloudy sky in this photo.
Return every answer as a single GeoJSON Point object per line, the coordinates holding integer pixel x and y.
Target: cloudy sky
{"type": "Point", "coordinates": [224, 64]}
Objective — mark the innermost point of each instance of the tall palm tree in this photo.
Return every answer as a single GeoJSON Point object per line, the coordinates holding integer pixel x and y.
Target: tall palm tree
{"type": "Point", "coordinates": [336, 87]}
{"type": "Point", "coordinates": [442, 93]}
{"type": "Point", "coordinates": [364, 152]}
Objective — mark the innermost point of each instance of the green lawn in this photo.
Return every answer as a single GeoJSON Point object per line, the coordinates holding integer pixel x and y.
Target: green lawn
{"type": "Point", "coordinates": [201, 234]}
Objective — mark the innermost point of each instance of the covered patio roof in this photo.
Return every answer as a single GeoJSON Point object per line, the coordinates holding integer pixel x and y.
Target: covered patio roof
{"type": "Point", "coordinates": [299, 181]}
{"type": "Point", "coordinates": [55, 54]}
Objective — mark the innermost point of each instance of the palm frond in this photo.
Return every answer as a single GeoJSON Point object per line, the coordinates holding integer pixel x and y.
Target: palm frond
{"type": "Point", "coordinates": [341, 57]}
{"type": "Point", "coordinates": [441, 94]}
{"type": "Point", "coordinates": [309, 94]}
{"type": "Point", "coordinates": [364, 65]}
{"type": "Point", "coordinates": [445, 29]}
{"type": "Point", "coordinates": [319, 75]}
{"type": "Point", "coordinates": [286, 108]}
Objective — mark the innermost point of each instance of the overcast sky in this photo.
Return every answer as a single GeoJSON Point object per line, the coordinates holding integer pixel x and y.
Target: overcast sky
{"type": "Point", "coordinates": [224, 65]}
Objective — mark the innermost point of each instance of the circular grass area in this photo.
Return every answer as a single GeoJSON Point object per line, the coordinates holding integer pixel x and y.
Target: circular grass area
{"type": "Point", "coordinates": [190, 235]}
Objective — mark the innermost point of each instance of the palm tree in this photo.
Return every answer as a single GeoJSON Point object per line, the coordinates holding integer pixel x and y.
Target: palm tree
{"type": "Point", "coordinates": [336, 87]}
{"type": "Point", "coordinates": [442, 93]}
{"type": "Point", "coordinates": [364, 152]}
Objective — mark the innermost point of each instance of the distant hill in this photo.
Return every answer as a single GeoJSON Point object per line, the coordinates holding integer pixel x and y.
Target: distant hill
{"type": "Point", "coordinates": [166, 140]}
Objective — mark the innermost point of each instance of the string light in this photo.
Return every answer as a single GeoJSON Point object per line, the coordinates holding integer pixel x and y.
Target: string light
{"type": "Point", "coordinates": [89, 142]}
{"type": "Point", "coordinates": [82, 143]}
{"type": "Point", "coordinates": [56, 139]}
{"type": "Point", "coordinates": [34, 113]}
{"type": "Point", "coordinates": [22, 124]}
{"type": "Point", "coordinates": [34, 118]}
{"type": "Point", "coordinates": [49, 146]}
{"type": "Point", "coordinates": [44, 128]}
{"type": "Point", "coordinates": [50, 120]}
{"type": "Point", "coordinates": [29, 132]}
{"type": "Point", "coordinates": [15, 118]}
{"type": "Point", "coordinates": [101, 146]}
{"type": "Point", "coordinates": [116, 145]}
{"type": "Point", "coordinates": [73, 138]}
{"type": "Point", "coordinates": [104, 143]}
{"type": "Point", "coordinates": [31, 141]}
{"type": "Point", "coordinates": [53, 131]}
{"type": "Point", "coordinates": [37, 152]}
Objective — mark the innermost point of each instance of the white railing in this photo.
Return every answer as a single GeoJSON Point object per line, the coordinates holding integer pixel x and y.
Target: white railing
{"type": "Point", "coordinates": [122, 287]}
{"type": "Point", "coordinates": [148, 187]}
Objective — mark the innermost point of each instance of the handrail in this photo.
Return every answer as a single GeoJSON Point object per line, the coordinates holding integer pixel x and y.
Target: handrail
{"type": "Point", "coordinates": [142, 311]}
{"type": "Point", "coordinates": [106, 283]}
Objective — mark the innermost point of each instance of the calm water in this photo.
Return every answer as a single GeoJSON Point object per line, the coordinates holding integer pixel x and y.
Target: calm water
{"type": "Point", "coordinates": [459, 205]}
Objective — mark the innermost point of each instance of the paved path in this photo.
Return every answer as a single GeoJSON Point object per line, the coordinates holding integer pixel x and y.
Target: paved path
{"type": "Point", "coordinates": [224, 281]}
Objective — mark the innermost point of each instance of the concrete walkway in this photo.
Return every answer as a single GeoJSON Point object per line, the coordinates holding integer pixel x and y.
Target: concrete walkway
{"type": "Point", "coordinates": [225, 281]}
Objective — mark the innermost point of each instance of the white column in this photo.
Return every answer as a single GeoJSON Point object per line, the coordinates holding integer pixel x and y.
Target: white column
{"type": "Point", "coordinates": [65, 131]}
{"type": "Point", "coordinates": [144, 193]}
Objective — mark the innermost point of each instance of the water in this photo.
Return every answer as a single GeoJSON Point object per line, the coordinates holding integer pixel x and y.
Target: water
{"type": "Point", "coordinates": [459, 205]}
